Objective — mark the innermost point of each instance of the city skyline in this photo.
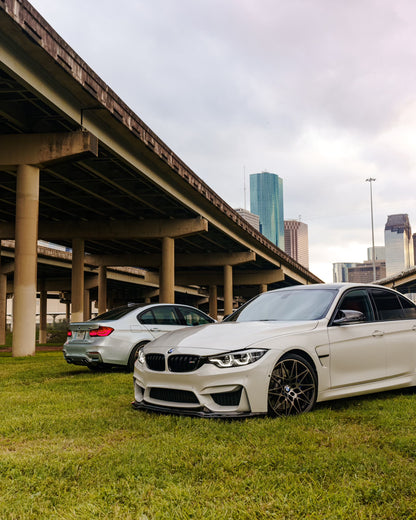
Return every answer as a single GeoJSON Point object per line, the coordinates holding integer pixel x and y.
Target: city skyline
{"type": "Point", "coordinates": [396, 255]}
{"type": "Point", "coordinates": [322, 92]}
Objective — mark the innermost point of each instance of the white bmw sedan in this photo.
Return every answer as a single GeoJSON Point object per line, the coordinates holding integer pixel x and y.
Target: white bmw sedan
{"type": "Point", "coordinates": [113, 338]}
{"type": "Point", "coordinates": [282, 352]}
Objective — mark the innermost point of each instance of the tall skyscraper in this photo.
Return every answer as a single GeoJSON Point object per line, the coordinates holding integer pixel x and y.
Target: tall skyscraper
{"type": "Point", "coordinates": [252, 219]}
{"type": "Point", "coordinates": [296, 241]}
{"type": "Point", "coordinates": [399, 244]}
{"type": "Point", "coordinates": [266, 201]}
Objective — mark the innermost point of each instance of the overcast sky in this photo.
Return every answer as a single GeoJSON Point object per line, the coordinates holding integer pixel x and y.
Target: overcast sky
{"type": "Point", "coordinates": [321, 92]}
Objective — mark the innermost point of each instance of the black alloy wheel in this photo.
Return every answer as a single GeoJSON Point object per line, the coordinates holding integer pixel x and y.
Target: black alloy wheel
{"type": "Point", "coordinates": [293, 386]}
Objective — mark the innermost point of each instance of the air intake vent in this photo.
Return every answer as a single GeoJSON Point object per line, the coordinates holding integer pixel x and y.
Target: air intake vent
{"type": "Point", "coordinates": [173, 396]}
{"type": "Point", "coordinates": [227, 398]}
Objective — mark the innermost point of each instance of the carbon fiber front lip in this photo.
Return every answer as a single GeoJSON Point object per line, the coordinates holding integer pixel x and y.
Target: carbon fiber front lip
{"type": "Point", "coordinates": [200, 412]}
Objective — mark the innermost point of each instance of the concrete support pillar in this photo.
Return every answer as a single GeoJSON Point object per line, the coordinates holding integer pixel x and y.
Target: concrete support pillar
{"type": "Point", "coordinates": [87, 305]}
{"type": "Point", "coordinates": [228, 289]}
{"type": "Point", "coordinates": [68, 312]}
{"type": "Point", "coordinates": [43, 313]}
{"type": "Point", "coordinates": [3, 304]}
{"type": "Point", "coordinates": [3, 308]}
{"type": "Point", "coordinates": [263, 288]}
{"type": "Point", "coordinates": [167, 271]}
{"type": "Point", "coordinates": [102, 289]}
{"type": "Point", "coordinates": [77, 284]}
{"type": "Point", "coordinates": [26, 234]}
{"type": "Point", "coordinates": [213, 305]}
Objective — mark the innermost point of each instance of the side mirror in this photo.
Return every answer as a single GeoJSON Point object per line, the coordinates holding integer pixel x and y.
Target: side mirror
{"type": "Point", "coordinates": [346, 317]}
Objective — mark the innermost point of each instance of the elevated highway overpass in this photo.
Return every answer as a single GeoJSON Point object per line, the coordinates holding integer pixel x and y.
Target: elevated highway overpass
{"type": "Point", "coordinates": [78, 167]}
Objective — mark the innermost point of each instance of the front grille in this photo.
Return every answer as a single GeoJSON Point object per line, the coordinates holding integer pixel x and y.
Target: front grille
{"type": "Point", "coordinates": [184, 363]}
{"type": "Point", "coordinates": [174, 396]}
{"type": "Point", "coordinates": [155, 362]}
{"type": "Point", "coordinates": [227, 398]}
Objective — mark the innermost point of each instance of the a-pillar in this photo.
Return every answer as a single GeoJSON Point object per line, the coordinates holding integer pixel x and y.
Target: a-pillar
{"type": "Point", "coordinates": [43, 309]}
{"type": "Point", "coordinates": [213, 304]}
{"type": "Point", "coordinates": [102, 289]}
{"type": "Point", "coordinates": [77, 283]}
{"type": "Point", "coordinates": [26, 234]}
{"type": "Point", "coordinates": [167, 271]}
{"type": "Point", "coordinates": [228, 290]}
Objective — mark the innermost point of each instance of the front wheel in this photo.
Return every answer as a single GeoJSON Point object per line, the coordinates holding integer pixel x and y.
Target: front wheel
{"type": "Point", "coordinates": [293, 386]}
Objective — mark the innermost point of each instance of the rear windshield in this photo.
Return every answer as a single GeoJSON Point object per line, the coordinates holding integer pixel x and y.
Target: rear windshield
{"type": "Point", "coordinates": [117, 313]}
{"type": "Point", "coordinates": [287, 305]}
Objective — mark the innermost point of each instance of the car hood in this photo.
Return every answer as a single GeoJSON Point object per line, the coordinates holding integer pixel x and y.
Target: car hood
{"type": "Point", "coordinates": [220, 337]}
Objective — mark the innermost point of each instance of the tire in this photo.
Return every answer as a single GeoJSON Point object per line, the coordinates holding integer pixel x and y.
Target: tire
{"type": "Point", "coordinates": [133, 356]}
{"type": "Point", "coordinates": [293, 387]}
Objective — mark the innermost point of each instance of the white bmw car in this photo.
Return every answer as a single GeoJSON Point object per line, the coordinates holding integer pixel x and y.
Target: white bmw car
{"type": "Point", "coordinates": [113, 338]}
{"type": "Point", "coordinates": [282, 352]}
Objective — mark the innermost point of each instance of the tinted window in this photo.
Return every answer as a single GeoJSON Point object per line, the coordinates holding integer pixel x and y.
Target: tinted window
{"type": "Point", "coordinates": [164, 315]}
{"type": "Point", "coordinates": [192, 317]}
{"type": "Point", "coordinates": [117, 313]}
{"type": "Point", "coordinates": [409, 308]}
{"type": "Point", "coordinates": [358, 300]}
{"type": "Point", "coordinates": [287, 305]}
{"type": "Point", "coordinates": [387, 305]}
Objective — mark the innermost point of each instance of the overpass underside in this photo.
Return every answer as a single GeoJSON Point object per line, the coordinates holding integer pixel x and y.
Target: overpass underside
{"type": "Point", "coordinates": [80, 169]}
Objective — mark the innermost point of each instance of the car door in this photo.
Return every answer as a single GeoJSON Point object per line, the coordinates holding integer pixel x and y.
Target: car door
{"type": "Point", "coordinates": [160, 319]}
{"type": "Point", "coordinates": [357, 351]}
{"type": "Point", "coordinates": [397, 325]}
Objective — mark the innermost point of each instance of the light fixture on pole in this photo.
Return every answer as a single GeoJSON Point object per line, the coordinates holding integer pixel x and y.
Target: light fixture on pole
{"type": "Point", "coordinates": [371, 180]}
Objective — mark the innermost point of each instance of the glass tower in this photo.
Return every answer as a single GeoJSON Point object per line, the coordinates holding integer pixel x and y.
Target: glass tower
{"type": "Point", "coordinates": [266, 201]}
{"type": "Point", "coordinates": [399, 244]}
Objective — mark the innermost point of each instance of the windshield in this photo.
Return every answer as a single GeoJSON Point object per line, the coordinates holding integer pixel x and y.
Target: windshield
{"type": "Point", "coordinates": [286, 305]}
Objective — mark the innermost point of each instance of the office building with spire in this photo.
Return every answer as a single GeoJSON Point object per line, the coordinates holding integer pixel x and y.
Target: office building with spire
{"type": "Point", "coordinates": [266, 201]}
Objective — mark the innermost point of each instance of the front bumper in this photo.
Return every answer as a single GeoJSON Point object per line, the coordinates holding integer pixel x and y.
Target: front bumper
{"type": "Point", "coordinates": [208, 391]}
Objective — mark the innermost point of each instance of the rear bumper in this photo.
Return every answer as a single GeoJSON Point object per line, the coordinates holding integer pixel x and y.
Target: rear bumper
{"type": "Point", "coordinates": [84, 359]}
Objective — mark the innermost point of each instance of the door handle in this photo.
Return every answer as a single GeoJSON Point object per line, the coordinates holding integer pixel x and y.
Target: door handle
{"type": "Point", "coordinates": [378, 333]}
{"type": "Point", "coordinates": [414, 328]}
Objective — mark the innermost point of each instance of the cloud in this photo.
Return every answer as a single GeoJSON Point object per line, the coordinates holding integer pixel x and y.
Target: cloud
{"type": "Point", "coordinates": [322, 93]}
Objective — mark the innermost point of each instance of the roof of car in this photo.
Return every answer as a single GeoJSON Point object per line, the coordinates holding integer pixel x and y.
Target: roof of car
{"type": "Point", "coordinates": [343, 285]}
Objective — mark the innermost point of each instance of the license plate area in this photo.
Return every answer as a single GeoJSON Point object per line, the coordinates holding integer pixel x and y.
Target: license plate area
{"type": "Point", "coordinates": [80, 334]}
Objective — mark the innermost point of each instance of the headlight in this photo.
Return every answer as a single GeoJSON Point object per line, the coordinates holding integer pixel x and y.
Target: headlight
{"type": "Point", "coordinates": [140, 356]}
{"type": "Point", "coordinates": [237, 359]}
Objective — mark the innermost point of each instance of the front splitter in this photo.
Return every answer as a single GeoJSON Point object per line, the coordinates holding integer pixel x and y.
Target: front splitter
{"type": "Point", "coordinates": [200, 412]}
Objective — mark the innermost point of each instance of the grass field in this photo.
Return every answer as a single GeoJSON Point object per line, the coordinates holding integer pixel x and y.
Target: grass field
{"type": "Point", "coordinates": [71, 447]}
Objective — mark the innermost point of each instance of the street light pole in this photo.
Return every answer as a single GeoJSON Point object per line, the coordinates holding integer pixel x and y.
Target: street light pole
{"type": "Point", "coordinates": [371, 180]}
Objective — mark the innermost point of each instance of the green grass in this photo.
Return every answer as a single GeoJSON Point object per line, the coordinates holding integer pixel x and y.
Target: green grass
{"type": "Point", "coordinates": [71, 447]}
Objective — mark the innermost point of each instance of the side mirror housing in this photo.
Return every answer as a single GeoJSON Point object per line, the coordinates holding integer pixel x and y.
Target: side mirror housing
{"type": "Point", "coordinates": [346, 317]}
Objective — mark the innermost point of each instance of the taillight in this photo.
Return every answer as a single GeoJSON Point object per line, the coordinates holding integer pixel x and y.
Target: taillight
{"type": "Point", "coordinates": [101, 332]}
{"type": "Point", "coordinates": [69, 333]}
